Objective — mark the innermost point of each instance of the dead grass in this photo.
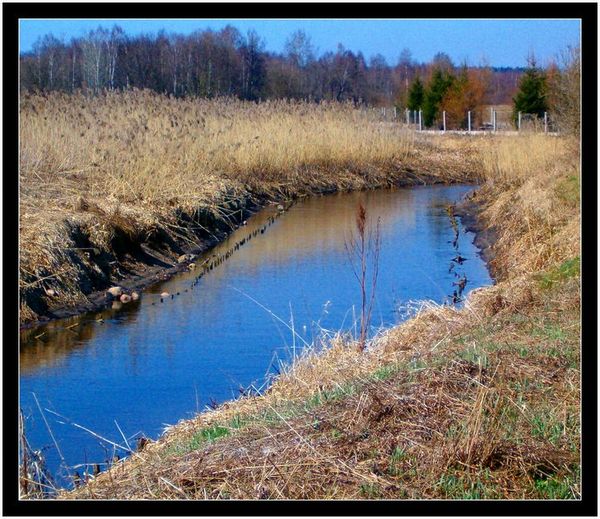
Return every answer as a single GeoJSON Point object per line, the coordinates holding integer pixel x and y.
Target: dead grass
{"type": "Point", "coordinates": [481, 403]}
{"type": "Point", "coordinates": [127, 166]}
{"type": "Point", "coordinates": [534, 184]}
{"type": "Point", "coordinates": [448, 406]}
{"type": "Point", "coordinates": [478, 403]}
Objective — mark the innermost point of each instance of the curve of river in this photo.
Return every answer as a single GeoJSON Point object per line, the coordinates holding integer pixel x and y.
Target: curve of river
{"type": "Point", "coordinates": [150, 364]}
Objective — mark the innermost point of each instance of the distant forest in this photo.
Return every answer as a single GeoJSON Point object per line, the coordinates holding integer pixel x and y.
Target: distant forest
{"type": "Point", "coordinates": [211, 63]}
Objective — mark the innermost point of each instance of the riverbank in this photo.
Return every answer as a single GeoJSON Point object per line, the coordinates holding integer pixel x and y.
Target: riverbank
{"type": "Point", "coordinates": [478, 403]}
{"type": "Point", "coordinates": [113, 189]}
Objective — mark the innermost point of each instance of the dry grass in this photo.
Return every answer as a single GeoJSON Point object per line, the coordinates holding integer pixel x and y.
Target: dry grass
{"type": "Point", "coordinates": [145, 146]}
{"type": "Point", "coordinates": [534, 182]}
{"type": "Point", "coordinates": [479, 403]}
{"type": "Point", "coordinates": [127, 165]}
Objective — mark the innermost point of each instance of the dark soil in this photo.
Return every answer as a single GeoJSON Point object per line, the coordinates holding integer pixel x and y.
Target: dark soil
{"type": "Point", "coordinates": [469, 212]}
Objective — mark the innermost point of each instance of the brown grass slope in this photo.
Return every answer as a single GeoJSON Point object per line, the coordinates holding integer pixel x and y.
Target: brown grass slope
{"type": "Point", "coordinates": [113, 185]}
{"type": "Point", "coordinates": [478, 403]}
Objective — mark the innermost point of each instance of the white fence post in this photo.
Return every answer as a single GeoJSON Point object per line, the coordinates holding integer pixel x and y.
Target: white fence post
{"type": "Point", "coordinates": [395, 113]}
{"type": "Point", "coordinates": [545, 122]}
{"type": "Point", "coordinates": [420, 120]}
{"type": "Point", "coordinates": [494, 120]}
{"type": "Point", "coordinates": [444, 119]}
{"type": "Point", "coordinates": [415, 117]}
{"type": "Point", "coordinates": [469, 119]}
{"type": "Point", "coordinates": [519, 123]}
{"type": "Point", "coordinates": [407, 116]}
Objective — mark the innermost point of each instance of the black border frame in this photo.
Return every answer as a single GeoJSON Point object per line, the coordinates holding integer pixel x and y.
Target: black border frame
{"type": "Point", "coordinates": [587, 12]}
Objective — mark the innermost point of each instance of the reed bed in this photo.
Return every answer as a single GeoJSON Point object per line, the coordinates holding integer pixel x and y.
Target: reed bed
{"type": "Point", "coordinates": [93, 170]}
{"type": "Point", "coordinates": [475, 403]}
{"type": "Point", "coordinates": [142, 146]}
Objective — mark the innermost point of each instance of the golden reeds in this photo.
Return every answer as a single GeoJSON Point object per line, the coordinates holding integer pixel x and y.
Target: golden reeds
{"type": "Point", "coordinates": [95, 169]}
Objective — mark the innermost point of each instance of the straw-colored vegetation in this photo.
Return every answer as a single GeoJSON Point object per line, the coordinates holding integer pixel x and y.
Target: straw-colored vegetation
{"type": "Point", "coordinates": [478, 403]}
{"type": "Point", "coordinates": [99, 175]}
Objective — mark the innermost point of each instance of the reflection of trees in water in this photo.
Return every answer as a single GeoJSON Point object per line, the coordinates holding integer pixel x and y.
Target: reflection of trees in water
{"type": "Point", "coordinates": [58, 340]}
{"type": "Point", "coordinates": [323, 224]}
{"type": "Point", "coordinates": [311, 227]}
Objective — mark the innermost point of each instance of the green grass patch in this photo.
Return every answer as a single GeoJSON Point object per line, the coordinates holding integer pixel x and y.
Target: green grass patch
{"type": "Point", "coordinates": [568, 190]}
{"type": "Point", "coordinates": [568, 269]}
{"type": "Point", "coordinates": [370, 490]}
{"type": "Point", "coordinates": [395, 464]}
{"type": "Point", "coordinates": [547, 426]}
{"type": "Point", "coordinates": [454, 486]}
{"type": "Point", "coordinates": [202, 437]}
{"type": "Point", "coordinates": [550, 331]}
{"type": "Point", "coordinates": [556, 488]}
{"type": "Point", "coordinates": [331, 395]}
{"type": "Point", "coordinates": [385, 372]}
{"type": "Point", "coordinates": [209, 434]}
{"type": "Point", "coordinates": [475, 355]}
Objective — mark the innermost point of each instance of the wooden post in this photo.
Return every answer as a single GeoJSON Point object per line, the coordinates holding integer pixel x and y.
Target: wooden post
{"type": "Point", "coordinates": [519, 122]}
{"type": "Point", "coordinates": [420, 120]}
{"type": "Point", "coordinates": [469, 120]}
{"type": "Point", "coordinates": [415, 117]}
{"type": "Point", "coordinates": [407, 116]}
{"type": "Point", "coordinates": [395, 113]}
{"type": "Point", "coordinates": [545, 122]}
{"type": "Point", "coordinates": [494, 119]}
{"type": "Point", "coordinates": [444, 119]}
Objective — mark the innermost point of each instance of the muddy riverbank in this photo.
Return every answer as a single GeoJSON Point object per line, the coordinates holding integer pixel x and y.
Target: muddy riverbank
{"type": "Point", "coordinates": [137, 260]}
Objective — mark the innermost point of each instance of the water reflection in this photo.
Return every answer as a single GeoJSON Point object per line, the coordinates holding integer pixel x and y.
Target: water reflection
{"type": "Point", "coordinates": [152, 363]}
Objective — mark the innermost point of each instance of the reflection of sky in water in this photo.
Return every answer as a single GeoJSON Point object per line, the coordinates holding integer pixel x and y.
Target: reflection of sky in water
{"type": "Point", "coordinates": [148, 365]}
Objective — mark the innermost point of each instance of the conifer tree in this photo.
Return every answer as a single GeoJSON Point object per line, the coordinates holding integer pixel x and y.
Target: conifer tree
{"type": "Point", "coordinates": [531, 97]}
{"type": "Point", "coordinates": [438, 86]}
{"type": "Point", "coordinates": [416, 95]}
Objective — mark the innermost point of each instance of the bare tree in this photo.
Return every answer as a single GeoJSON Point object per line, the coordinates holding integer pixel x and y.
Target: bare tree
{"type": "Point", "coordinates": [93, 49]}
{"type": "Point", "coordinates": [564, 84]}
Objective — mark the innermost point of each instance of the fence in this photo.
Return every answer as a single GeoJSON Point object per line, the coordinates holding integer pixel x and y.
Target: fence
{"type": "Point", "coordinates": [501, 120]}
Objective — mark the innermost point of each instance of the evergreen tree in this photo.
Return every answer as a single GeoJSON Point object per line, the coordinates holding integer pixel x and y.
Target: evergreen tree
{"type": "Point", "coordinates": [416, 95]}
{"type": "Point", "coordinates": [531, 97]}
{"type": "Point", "coordinates": [438, 86]}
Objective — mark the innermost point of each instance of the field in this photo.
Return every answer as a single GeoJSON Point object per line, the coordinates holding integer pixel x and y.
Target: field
{"type": "Point", "coordinates": [478, 403]}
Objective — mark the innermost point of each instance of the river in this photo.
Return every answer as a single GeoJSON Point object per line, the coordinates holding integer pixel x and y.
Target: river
{"type": "Point", "coordinates": [127, 372]}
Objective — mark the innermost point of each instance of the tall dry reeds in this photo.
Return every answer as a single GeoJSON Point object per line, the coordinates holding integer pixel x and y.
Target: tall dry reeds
{"type": "Point", "coordinates": [535, 181]}
{"type": "Point", "coordinates": [92, 169]}
{"type": "Point", "coordinates": [140, 145]}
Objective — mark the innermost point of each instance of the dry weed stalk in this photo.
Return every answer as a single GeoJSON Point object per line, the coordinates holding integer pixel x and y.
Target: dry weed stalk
{"type": "Point", "coordinates": [359, 248]}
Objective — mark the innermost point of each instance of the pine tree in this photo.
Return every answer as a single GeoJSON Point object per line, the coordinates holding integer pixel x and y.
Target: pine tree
{"type": "Point", "coordinates": [416, 95]}
{"type": "Point", "coordinates": [437, 88]}
{"type": "Point", "coordinates": [532, 95]}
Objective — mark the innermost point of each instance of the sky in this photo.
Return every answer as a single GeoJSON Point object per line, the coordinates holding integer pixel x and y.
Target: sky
{"type": "Point", "coordinates": [492, 42]}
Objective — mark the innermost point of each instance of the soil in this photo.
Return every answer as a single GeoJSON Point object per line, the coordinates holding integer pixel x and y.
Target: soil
{"type": "Point", "coordinates": [143, 265]}
{"type": "Point", "coordinates": [469, 212]}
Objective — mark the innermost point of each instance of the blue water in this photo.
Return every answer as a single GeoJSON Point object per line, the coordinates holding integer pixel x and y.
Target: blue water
{"type": "Point", "coordinates": [151, 364]}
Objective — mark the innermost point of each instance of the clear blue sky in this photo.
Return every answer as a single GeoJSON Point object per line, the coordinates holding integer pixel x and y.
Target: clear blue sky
{"type": "Point", "coordinates": [500, 42]}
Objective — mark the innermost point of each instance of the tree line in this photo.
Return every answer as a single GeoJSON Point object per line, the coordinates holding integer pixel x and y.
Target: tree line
{"type": "Point", "coordinates": [457, 92]}
{"type": "Point", "coordinates": [210, 63]}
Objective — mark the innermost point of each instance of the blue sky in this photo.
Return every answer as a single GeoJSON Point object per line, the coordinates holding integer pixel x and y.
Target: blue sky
{"type": "Point", "coordinates": [499, 42]}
